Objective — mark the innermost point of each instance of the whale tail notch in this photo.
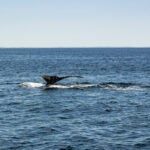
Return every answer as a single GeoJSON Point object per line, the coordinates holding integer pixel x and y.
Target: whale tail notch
{"type": "Point", "coordinates": [53, 79]}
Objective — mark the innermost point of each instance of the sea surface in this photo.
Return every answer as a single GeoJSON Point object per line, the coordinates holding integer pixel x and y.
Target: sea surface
{"type": "Point", "coordinates": [107, 109]}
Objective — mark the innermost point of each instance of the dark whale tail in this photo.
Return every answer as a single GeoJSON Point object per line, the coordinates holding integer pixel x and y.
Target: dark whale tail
{"type": "Point", "coordinates": [53, 79]}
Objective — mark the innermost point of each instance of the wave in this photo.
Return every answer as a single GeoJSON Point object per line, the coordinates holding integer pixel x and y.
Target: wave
{"type": "Point", "coordinates": [107, 85]}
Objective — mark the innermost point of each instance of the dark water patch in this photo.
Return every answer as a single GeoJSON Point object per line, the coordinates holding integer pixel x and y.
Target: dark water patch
{"type": "Point", "coordinates": [143, 144]}
{"type": "Point", "coordinates": [146, 87]}
{"type": "Point", "coordinates": [12, 103]}
{"type": "Point", "coordinates": [66, 110]}
{"type": "Point", "coordinates": [118, 84]}
{"type": "Point", "coordinates": [67, 148]}
{"type": "Point", "coordinates": [35, 109]}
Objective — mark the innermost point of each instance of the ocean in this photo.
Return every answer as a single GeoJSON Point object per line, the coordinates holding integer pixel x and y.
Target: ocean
{"type": "Point", "coordinates": [107, 109]}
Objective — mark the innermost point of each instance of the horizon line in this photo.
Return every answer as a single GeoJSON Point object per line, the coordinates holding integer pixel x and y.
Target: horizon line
{"type": "Point", "coordinates": [81, 47]}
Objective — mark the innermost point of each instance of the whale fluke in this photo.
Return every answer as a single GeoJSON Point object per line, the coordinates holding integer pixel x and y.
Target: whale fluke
{"type": "Point", "coordinates": [53, 79]}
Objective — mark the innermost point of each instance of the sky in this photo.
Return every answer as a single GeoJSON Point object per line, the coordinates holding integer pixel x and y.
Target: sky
{"type": "Point", "coordinates": [74, 23]}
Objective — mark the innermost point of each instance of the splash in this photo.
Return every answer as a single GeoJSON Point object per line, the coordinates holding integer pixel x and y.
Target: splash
{"type": "Point", "coordinates": [31, 84]}
{"type": "Point", "coordinates": [74, 86]}
{"type": "Point", "coordinates": [108, 85]}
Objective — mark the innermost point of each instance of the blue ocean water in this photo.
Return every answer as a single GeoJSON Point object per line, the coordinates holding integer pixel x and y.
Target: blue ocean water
{"type": "Point", "coordinates": [107, 109]}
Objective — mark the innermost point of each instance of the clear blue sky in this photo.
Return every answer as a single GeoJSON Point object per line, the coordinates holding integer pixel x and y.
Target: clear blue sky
{"type": "Point", "coordinates": [74, 23]}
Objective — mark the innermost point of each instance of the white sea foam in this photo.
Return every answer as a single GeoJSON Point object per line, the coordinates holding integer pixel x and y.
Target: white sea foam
{"type": "Point", "coordinates": [129, 88]}
{"type": "Point", "coordinates": [82, 86]}
{"type": "Point", "coordinates": [71, 86]}
{"type": "Point", "coordinates": [31, 84]}
{"type": "Point", "coordinates": [57, 86]}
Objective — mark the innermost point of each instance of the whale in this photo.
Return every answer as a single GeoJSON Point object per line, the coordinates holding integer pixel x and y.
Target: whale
{"type": "Point", "coordinates": [52, 79]}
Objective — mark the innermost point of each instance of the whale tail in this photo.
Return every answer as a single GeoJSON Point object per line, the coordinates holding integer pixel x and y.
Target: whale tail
{"type": "Point", "coordinates": [53, 79]}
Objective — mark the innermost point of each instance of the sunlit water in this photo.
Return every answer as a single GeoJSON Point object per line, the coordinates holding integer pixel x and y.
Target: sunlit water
{"type": "Point", "coordinates": [109, 108]}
